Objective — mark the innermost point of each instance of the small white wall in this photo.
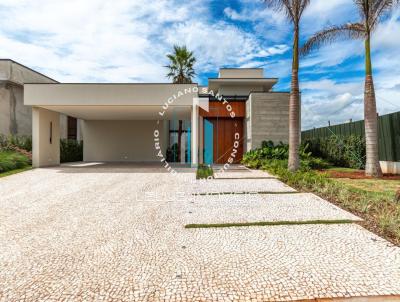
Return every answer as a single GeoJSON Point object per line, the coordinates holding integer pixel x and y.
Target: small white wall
{"type": "Point", "coordinates": [390, 167]}
{"type": "Point", "coordinates": [121, 141]}
{"type": "Point", "coordinates": [239, 89]}
{"type": "Point", "coordinates": [241, 73]}
{"type": "Point", "coordinates": [45, 152]}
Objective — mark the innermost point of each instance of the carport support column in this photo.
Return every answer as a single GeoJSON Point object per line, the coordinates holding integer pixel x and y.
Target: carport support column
{"type": "Point", "coordinates": [45, 138]}
{"type": "Point", "coordinates": [195, 135]}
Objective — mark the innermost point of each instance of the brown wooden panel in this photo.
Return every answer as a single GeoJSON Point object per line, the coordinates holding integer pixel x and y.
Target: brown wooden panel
{"type": "Point", "coordinates": [224, 139]}
{"type": "Point", "coordinates": [219, 109]}
{"type": "Point", "coordinates": [72, 128]}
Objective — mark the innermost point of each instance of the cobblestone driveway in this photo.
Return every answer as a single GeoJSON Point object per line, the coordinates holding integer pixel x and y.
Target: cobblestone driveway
{"type": "Point", "coordinates": [116, 233]}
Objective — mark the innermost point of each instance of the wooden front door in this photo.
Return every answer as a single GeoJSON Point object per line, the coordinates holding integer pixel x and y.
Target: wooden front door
{"type": "Point", "coordinates": [227, 139]}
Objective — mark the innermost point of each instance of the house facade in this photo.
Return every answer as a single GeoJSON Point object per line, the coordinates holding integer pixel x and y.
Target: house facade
{"type": "Point", "coordinates": [151, 122]}
{"type": "Point", "coordinates": [15, 117]}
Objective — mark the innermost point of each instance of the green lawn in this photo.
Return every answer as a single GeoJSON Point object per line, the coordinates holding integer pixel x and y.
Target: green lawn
{"type": "Point", "coordinates": [380, 186]}
{"type": "Point", "coordinates": [8, 173]}
{"type": "Point", "coordinates": [13, 162]}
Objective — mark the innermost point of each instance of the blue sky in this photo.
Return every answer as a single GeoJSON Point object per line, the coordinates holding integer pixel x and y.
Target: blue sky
{"type": "Point", "coordinates": [127, 40]}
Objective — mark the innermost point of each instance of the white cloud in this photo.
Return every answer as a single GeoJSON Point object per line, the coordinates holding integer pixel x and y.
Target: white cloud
{"type": "Point", "coordinates": [121, 41]}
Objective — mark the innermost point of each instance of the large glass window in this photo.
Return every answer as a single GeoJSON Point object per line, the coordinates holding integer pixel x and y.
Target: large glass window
{"type": "Point", "coordinates": [178, 150]}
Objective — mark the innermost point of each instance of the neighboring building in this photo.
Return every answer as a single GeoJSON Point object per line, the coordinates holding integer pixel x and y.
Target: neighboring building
{"type": "Point", "coordinates": [15, 117]}
{"type": "Point", "coordinates": [186, 122]}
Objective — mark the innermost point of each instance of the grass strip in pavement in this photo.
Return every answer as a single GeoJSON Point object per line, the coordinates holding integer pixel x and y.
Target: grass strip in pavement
{"type": "Point", "coordinates": [230, 178]}
{"type": "Point", "coordinates": [265, 223]}
{"type": "Point", "coordinates": [244, 193]}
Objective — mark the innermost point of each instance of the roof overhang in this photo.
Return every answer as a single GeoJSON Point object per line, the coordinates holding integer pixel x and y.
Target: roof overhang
{"type": "Point", "coordinates": [123, 112]}
{"type": "Point", "coordinates": [114, 101]}
{"type": "Point", "coordinates": [265, 83]}
{"type": "Point", "coordinates": [109, 94]}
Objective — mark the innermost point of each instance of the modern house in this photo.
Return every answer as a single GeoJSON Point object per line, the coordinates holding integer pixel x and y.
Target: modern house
{"type": "Point", "coordinates": [184, 123]}
{"type": "Point", "coordinates": [15, 118]}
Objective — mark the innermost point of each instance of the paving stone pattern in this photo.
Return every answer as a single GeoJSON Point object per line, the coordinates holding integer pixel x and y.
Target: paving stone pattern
{"type": "Point", "coordinates": [98, 234]}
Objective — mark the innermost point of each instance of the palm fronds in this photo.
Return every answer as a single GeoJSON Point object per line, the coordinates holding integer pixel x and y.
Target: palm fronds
{"type": "Point", "coordinates": [329, 35]}
{"type": "Point", "coordinates": [181, 66]}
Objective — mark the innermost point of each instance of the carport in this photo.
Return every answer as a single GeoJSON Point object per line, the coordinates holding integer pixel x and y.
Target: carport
{"type": "Point", "coordinates": [119, 122]}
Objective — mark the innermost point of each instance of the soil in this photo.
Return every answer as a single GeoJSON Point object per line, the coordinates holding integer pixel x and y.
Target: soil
{"type": "Point", "coordinates": [360, 174]}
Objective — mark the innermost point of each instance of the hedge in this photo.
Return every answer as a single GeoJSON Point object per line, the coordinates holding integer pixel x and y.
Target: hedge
{"type": "Point", "coordinates": [342, 151]}
{"type": "Point", "coordinates": [71, 150]}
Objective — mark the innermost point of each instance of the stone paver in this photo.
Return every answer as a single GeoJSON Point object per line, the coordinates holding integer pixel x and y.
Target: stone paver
{"type": "Point", "coordinates": [239, 186]}
{"type": "Point", "coordinates": [243, 173]}
{"type": "Point", "coordinates": [105, 234]}
{"type": "Point", "coordinates": [262, 207]}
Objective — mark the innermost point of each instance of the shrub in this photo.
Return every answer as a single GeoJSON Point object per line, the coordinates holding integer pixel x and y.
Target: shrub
{"type": "Point", "coordinates": [20, 141]}
{"type": "Point", "coordinates": [10, 160]}
{"type": "Point", "coordinates": [343, 151]}
{"type": "Point", "coordinates": [269, 153]}
{"type": "Point", "coordinates": [204, 172]}
{"type": "Point", "coordinates": [71, 150]}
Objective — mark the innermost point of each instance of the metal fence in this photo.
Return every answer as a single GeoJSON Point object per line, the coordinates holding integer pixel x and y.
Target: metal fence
{"type": "Point", "coordinates": [388, 128]}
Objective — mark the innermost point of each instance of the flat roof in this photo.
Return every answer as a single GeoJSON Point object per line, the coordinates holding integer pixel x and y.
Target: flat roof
{"type": "Point", "coordinates": [109, 94]}
{"type": "Point", "coordinates": [267, 83]}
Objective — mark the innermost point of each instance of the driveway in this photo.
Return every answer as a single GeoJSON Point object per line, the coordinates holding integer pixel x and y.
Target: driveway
{"type": "Point", "coordinates": [117, 233]}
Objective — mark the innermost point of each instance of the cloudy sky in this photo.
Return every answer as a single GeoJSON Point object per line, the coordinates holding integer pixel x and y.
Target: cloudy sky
{"type": "Point", "coordinates": [127, 40]}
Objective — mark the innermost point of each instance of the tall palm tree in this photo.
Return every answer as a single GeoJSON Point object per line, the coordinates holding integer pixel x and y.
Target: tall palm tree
{"type": "Point", "coordinates": [371, 12]}
{"type": "Point", "coordinates": [293, 9]}
{"type": "Point", "coordinates": [181, 65]}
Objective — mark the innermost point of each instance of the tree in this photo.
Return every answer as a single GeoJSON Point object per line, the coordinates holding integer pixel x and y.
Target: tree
{"type": "Point", "coordinates": [371, 12]}
{"type": "Point", "coordinates": [181, 65]}
{"type": "Point", "coordinates": [293, 9]}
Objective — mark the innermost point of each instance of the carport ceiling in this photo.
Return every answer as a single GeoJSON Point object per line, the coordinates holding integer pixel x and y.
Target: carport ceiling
{"type": "Point", "coordinates": [123, 112]}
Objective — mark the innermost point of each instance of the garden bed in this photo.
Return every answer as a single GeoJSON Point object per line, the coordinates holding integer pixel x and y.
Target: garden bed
{"type": "Point", "coordinates": [338, 172]}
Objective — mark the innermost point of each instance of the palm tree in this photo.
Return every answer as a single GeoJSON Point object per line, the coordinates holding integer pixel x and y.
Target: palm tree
{"type": "Point", "coordinates": [181, 65]}
{"type": "Point", "coordinates": [293, 9]}
{"type": "Point", "coordinates": [371, 12]}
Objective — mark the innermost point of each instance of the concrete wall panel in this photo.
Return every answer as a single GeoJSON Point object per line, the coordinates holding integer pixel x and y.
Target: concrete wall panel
{"type": "Point", "coordinates": [268, 117]}
{"type": "Point", "coordinates": [121, 141]}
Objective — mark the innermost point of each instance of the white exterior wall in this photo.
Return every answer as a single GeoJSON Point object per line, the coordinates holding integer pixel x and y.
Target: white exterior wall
{"type": "Point", "coordinates": [241, 73]}
{"type": "Point", "coordinates": [45, 152]}
{"type": "Point", "coordinates": [121, 141]}
{"type": "Point", "coordinates": [390, 167]}
{"type": "Point", "coordinates": [239, 89]}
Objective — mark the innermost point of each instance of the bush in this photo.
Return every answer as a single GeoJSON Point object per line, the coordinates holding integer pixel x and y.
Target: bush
{"type": "Point", "coordinates": [71, 150]}
{"type": "Point", "coordinates": [12, 160]}
{"type": "Point", "coordinates": [269, 153]}
{"type": "Point", "coordinates": [204, 172]}
{"type": "Point", "coordinates": [10, 142]}
{"type": "Point", "coordinates": [342, 151]}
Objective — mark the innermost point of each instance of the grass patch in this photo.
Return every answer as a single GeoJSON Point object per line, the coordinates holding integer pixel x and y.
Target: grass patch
{"type": "Point", "coordinates": [379, 186]}
{"type": "Point", "coordinates": [341, 169]}
{"type": "Point", "coordinates": [204, 172]}
{"type": "Point", "coordinates": [381, 213]}
{"type": "Point", "coordinates": [245, 193]}
{"type": "Point", "coordinates": [10, 160]}
{"type": "Point", "coordinates": [265, 223]}
{"type": "Point", "coordinates": [16, 171]}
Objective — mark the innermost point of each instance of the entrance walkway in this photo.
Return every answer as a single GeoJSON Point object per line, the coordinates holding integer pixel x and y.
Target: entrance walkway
{"type": "Point", "coordinates": [117, 233]}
